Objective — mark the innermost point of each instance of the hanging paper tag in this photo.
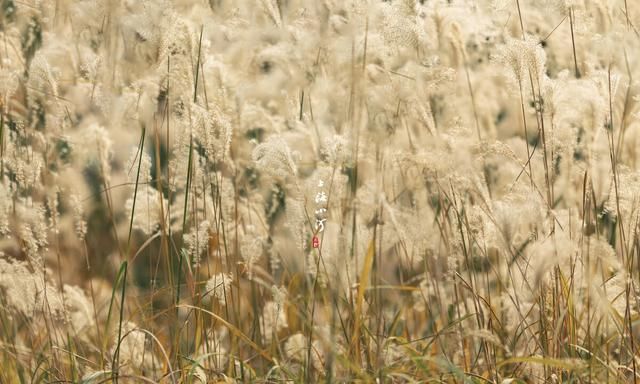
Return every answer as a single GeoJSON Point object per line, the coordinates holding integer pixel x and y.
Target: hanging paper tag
{"type": "Point", "coordinates": [315, 242]}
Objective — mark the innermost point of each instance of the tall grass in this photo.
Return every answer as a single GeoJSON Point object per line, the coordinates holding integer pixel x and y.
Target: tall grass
{"type": "Point", "coordinates": [301, 191]}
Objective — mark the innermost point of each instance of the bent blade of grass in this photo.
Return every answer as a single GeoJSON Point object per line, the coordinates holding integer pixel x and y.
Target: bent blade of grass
{"type": "Point", "coordinates": [135, 190]}
{"type": "Point", "coordinates": [569, 365]}
{"type": "Point", "coordinates": [164, 352]}
{"type": "Point", "coordinates": [233, 330]}
{"type": "Point", "coordinates": [362, 287]}
{"type": "Point", "coordinates": [593, 356]}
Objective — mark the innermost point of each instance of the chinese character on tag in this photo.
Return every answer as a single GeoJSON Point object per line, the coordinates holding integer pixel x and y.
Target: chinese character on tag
{"type": "Point", "coordinates": [315, 242]}
{"type": "Point", "coordinates": [320, 225]}
{"type": "Point", "coordinates": [321, 197]}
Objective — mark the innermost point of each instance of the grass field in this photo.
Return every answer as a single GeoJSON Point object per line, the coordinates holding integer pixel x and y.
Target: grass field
{"type": "Point", "coordinates": [266, 191]}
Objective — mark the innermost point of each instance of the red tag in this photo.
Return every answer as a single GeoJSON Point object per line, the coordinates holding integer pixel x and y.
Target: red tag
{"type": "Point", "coordinates": [315, 242]}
